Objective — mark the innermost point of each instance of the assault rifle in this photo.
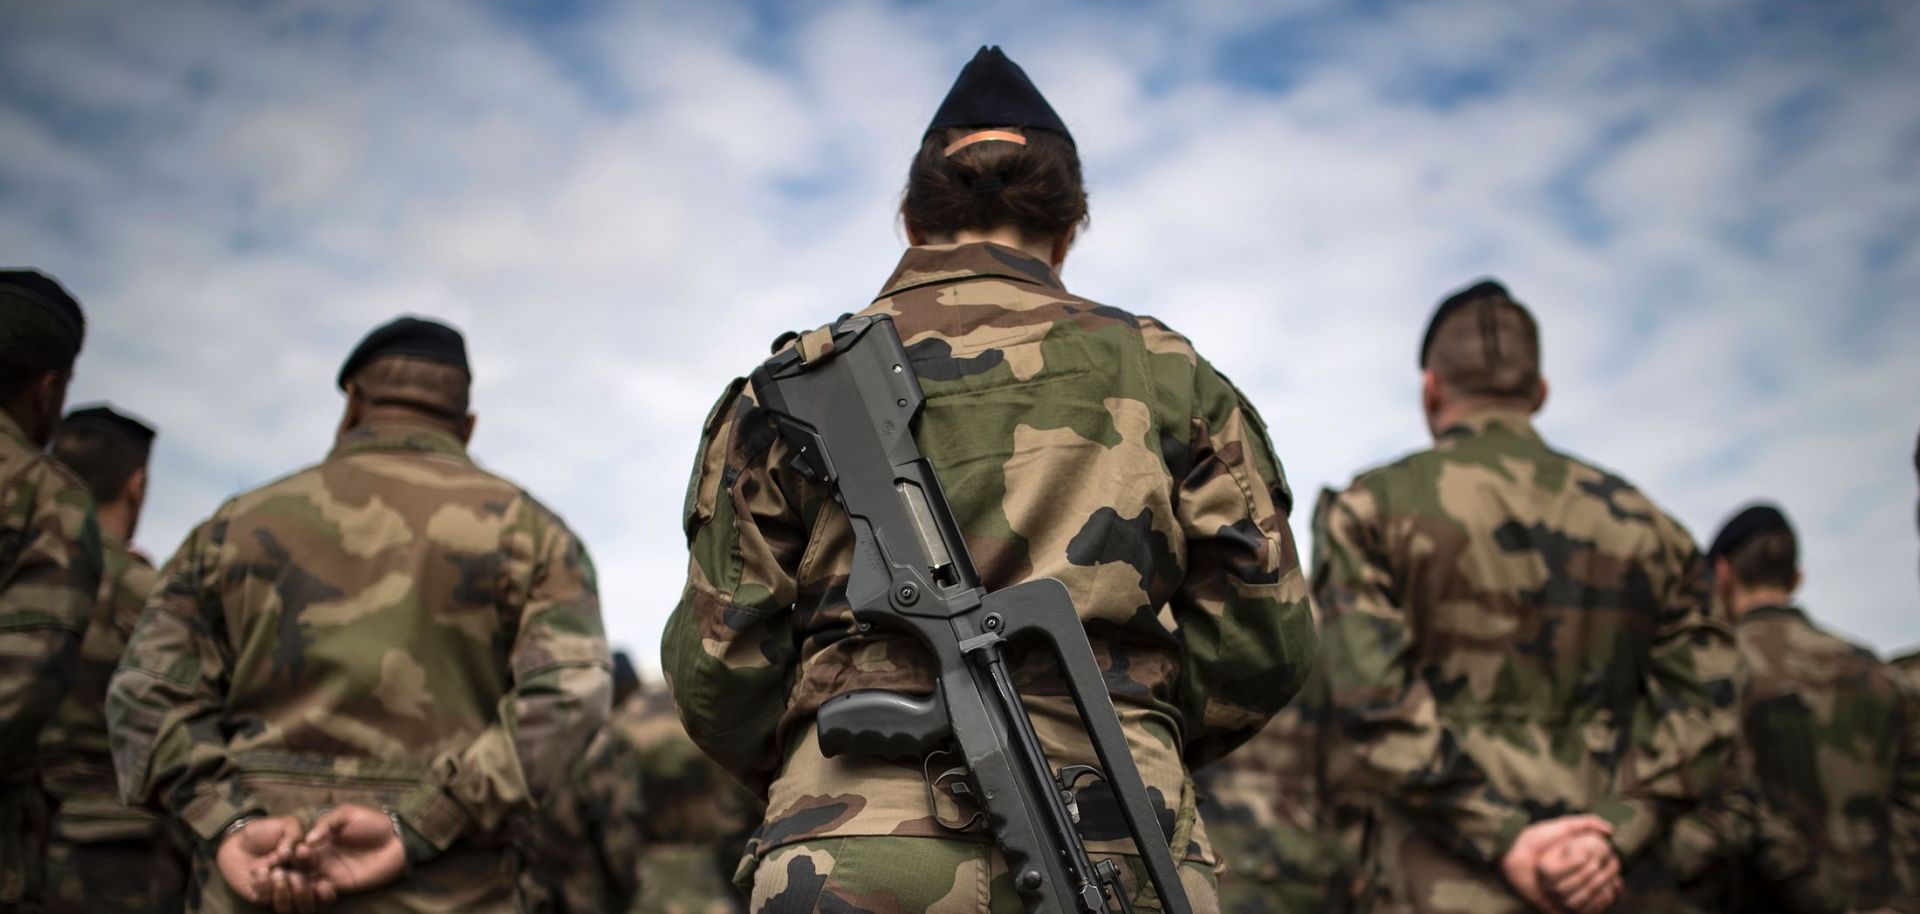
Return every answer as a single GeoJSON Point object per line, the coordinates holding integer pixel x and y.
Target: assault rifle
{"type": "Point", "coordinates": [845, 398]}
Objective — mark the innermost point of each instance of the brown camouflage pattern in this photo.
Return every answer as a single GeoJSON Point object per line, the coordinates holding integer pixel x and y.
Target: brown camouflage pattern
{"type": "Point", "coordinates": [1831, 730]}
{"type": "Point", "coordinates": [1075, 441]}
{"type": "Point", "coordinates": [394, 626]}
{"type": "Point", "coordinates": [1289, 841]}
{"type": "Point", "coordinates": [863, 875]}
{"type": "Point", "coordinates": [1509, 635]}
{"type": "Point", "coordinates": [647, 825]}
{"type": "Point", "coordinates": [50, 566]}
{"type": "Point", "coordinates": [105, 854]}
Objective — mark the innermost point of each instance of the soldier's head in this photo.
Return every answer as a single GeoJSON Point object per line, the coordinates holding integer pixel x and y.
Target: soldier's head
{"type": "Point", "coordinates": [1755, 559]}
{"type": "Point", "coordinates": [409, 370]}
{"type": "Point", "coordinates": [1481, 352]}
{"type": "Point", "coordinates": [998, 164]}
{"type": "Point", "coordinates": [108, 451]}
{"type": "Point", "coordinates": [41, 328]}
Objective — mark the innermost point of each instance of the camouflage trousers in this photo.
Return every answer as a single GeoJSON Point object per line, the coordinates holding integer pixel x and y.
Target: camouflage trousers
{"type": "Point", "coordinates": [26, 821]}
{"type": "Point", "coordinates": [685, 879]}
{"type": "Point", "coordinates": [889, 875]}
{"type": "Point", "coordinates": [136, 877]}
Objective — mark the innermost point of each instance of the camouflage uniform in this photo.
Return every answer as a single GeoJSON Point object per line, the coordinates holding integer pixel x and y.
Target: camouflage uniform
{"type": "Point", "coordinates": [1074, 441]}
{"type": "Point", "coordinates": [105, 855]}
{"type": "Point", "coordinates": [1831, 730]}
{"type": "Point", "coordinates": [1512, 635]}
{"type": "Point", "coordinates": [663, 825]}
{"type": "Point", "coordinates": [49, 573]}
{"type": "Point", "coordinates": [394, 627]}
{"type": "Point", "coordinates": [1289, 841]}
{"type": "Point", "coordinates": [1906, 809]}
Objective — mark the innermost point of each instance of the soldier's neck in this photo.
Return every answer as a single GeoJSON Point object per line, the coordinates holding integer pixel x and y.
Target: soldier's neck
{"type": "Point", "coordinates": [117, 519]}
{"type": "Point", "coordinates": [1006, 235]}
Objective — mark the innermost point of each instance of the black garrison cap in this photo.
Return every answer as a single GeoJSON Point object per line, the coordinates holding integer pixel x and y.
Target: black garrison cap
{"type": "Point", "coordinates": [1484, 289]}
{"type": "Point", "coordinates": [101, 417]}
{"type": "Point", "coordinates": [993, 91]}
{"type": "Point", "coordinates": [40, 289]}
{"type": "Point", "coordinates": [412, 336]}
{"type": "Point", "coordinates": [1755, 520]}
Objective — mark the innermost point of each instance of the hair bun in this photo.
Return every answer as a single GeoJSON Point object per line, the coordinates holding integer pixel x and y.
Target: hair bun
{"type": "Point", "coordinates": [987, 185]}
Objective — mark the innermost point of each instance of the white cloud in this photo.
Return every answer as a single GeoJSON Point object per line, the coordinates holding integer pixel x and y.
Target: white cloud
{"type": "Point", "coordinates": [623, 211]}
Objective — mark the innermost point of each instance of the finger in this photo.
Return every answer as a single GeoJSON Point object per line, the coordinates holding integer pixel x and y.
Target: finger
{"type": "Point", "coordinates": [302, 894]}
{"type": "Point", "coordinates": [324, 828]}
{"type": "Point", "coordinates": [1589, 896]}
{"type": "Point", "coordinates": [282, 893]}
{"type": "Point", "coordinates": [323, 891]}
{"type": "Point", "coordinates": [1568, 881]}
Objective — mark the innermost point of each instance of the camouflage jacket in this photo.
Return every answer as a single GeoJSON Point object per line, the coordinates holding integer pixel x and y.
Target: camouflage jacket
{"type": "Point", "coordinates": [648, 824]}
{"type": "Point", "coordinates": [394, 626]}
{"type": "Point", "coordinates": [1074, 441]}
{"type": "Point", "coordinates": [76, 759]}
{"type": "Point", "coordinates": [1833, 732]}
{"type": "Point", "coordinates": [49, 572]}
{"type": "Point", "coordinates": [1511, 634]}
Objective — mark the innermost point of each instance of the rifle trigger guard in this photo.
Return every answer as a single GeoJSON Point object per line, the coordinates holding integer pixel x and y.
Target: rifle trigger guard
{"type": "Point", "coordinates": [1068, 781]}
{"type": "Point", "coordinates": [960, 789]}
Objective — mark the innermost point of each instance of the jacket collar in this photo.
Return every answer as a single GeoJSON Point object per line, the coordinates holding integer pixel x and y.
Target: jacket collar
{"type": "Point", "coordinates": [11, 429]}
{"type": "Point", "coordinates": [1776, 611]}
{"type": "Point", "coordinates": [399, 437]}
{"type": "Point", "coordinates": [934, 264]}
{"type": "Point", "coordinates": [1493, 421]}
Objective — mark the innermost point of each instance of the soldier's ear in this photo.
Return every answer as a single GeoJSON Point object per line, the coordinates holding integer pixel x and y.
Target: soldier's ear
{"type": "Point", "coordinates": [1539, 394]}
{"type": "Point", "coordinates": [350, 415]}
{"type": "Point", "coordinates": [135, 491]}
{"type": "Point", "coordinates": [466, 428]}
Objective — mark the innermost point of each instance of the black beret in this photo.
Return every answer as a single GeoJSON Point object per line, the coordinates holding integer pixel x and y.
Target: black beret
{"type": "Point", "coordinates": [412, 336]}
{"type": "Point", "coordinates": [43, 290]}
{"type": "Point", "coordinates": [993, 91]}
{"type": "Point", "coordinates": [101, 417]}
{"type": "Point", "coordinates": [1484, 289]}
{"type": "Point", "coordinates": [1754, 520]}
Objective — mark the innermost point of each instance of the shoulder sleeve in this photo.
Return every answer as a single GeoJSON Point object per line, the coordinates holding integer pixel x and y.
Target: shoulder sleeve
{"type": "Point", "coordinates": [164, 702]}
{"type": "Point", "coordinates": [1242, 607]}
{"type": "Point", "coordinates": [1387, 720]}
{"type": "Point", "coordinates": [1686, 726]}
{"type": "Point", "coordinates": [48, 587]}
{"type": "Point", "coordinates": [728, 651]}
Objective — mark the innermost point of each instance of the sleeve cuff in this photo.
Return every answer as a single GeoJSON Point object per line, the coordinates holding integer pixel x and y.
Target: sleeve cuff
{"type": "Point", "coordinates": [432, 817]}
{"type": "Point", "coordinates": [214, 808]}
{"type": "Point", "coordinates": [1635, 824]}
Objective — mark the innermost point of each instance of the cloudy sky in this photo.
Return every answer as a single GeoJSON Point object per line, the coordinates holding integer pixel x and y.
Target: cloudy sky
{"type": "Point", "coordinates": [1713, 208]}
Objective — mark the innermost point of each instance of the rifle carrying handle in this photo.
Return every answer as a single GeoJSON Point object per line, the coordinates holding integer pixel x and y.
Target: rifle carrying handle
{"type": "Point", "coordinates": [882, 723]}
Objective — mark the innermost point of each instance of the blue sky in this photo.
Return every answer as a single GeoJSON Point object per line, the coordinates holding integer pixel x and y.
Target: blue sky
{"type": "Point", "coordinates": [1711, 205]}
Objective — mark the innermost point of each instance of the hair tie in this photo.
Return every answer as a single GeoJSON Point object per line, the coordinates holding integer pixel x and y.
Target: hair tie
{"type": "Point", "coordinates": [982, 136]}
{"type": "Point", "coordinates": [988, 185]}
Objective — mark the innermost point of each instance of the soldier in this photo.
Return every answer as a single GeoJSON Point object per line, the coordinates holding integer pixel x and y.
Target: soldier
{"type": "Point", "coordinates": [1290, 841]}
{"type": "Point", "coordinates": [1074, 441]}
{"type": "Point", "coordinates": [49, 562]}
{"type": "Point", "coordinates": [351, 680]}
{"type": "Point", "coordinates": [105, 855]}
{"type": "Point", "coordinates": [663, 827]}
{"type": "Point", "coordinates": [1516, 645]}
{"type": "Point", "coordinates": [1830, 726]}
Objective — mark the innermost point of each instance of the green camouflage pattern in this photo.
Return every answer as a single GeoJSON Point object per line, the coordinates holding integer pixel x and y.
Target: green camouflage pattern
{"type": "Point", "coordinates": [105, 854]}
{"type": "Point", "coordinates": [1831, 729]}
{"type": "Point", "coordinates": [1509, 635]}
{"type": "Point", "coordinates": [647, 825]}
{"type": "Point", "coordinates": [1290, 843]}
{"type": "Point", "coordinates": [50, 566]}
{"type": "Point", "coordinates": [1075, 441]}
{"type": "Point", "coordinates": [394, 627]}
{"type": "Point", "coordinates": [912, 875]}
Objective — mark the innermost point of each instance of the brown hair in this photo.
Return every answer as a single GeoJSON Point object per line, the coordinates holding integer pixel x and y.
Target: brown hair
{"type": "Point", "coordinates": [1034, 188]}
{"type": "Point", "coordinates": [1771, 559]}
{"type": "Point", "coordinates": [417, 383]}
{"type": "Point", "coordinates": [1488, 347]}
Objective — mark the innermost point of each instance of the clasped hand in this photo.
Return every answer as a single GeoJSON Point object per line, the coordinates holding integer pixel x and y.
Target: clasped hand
{"type": "Point", "coordinates": [273, 862]}
{"type": "Point", "coordinates": [1565, 865]}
